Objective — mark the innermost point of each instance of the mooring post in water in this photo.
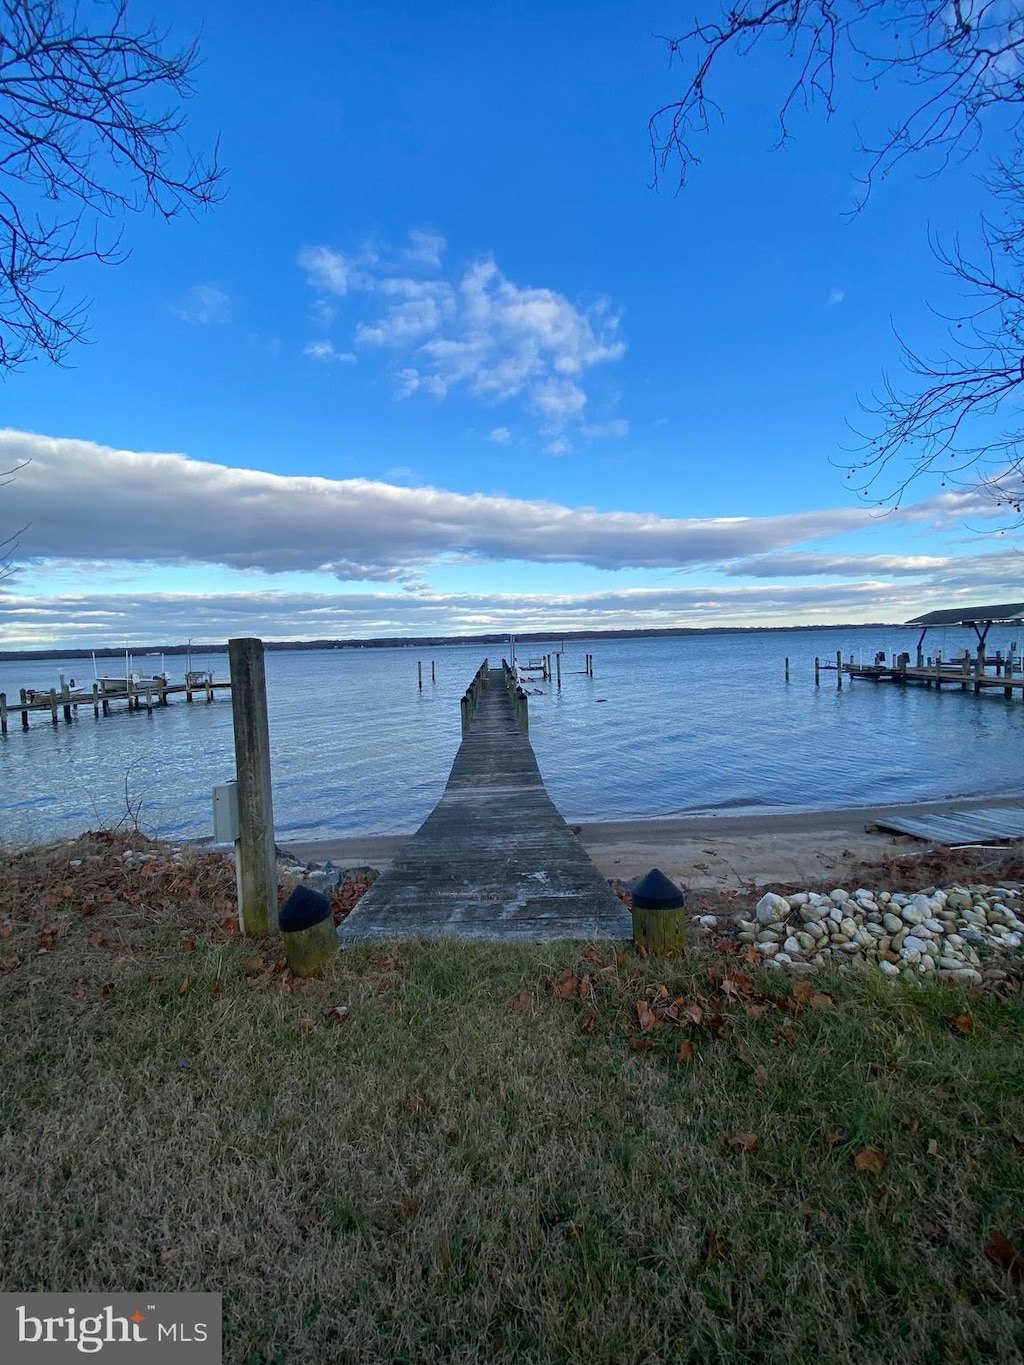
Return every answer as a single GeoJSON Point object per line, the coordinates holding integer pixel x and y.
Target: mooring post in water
{"type": "Point", "coordinates": [839, 669]}
{"type": "Point", "coordinates": [3, 713]}
{"type": "Point", "coordinates": [558, 670]}
{"type": "Point", "coordinates": [419, 673]}
{"type": "Point", "coordinates": [787, 669]}
{"type": "Point", "coordinates": [817, 671]}
{"type": "Point", "coordinates": [433, 672]}
{"type": "Point", "coordinates": [257, 866]}
{"type": "Point", "coordinates": [53, 704]}
{"type": "Point", "coordinates": [66, 698]}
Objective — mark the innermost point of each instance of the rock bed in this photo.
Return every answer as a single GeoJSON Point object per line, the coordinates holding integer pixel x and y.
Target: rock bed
{"type": "Point", "coordinates": [951, 934]}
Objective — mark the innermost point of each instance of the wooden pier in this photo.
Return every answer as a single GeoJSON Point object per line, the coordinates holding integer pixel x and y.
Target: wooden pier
{"type": "Point", "coordinates": [494, 860]}
{"type": "Point", "coordinates": [146, 693]}
{"type": "Point", "coordinates": [969, 673]}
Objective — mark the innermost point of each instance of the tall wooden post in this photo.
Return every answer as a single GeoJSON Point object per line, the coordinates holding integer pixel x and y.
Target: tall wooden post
{"type": "Point", "coordinates": [257, 866]}
{"type": "Point", "coordinates": [3, 713]}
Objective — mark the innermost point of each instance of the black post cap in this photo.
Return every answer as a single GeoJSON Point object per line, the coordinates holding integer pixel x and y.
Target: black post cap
{"type": "Point", "coordinates": [303, 908]}
{"type": "Point", "coordinates": [656, 892]}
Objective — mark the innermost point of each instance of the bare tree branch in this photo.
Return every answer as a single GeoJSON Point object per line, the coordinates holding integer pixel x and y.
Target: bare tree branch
{"type": "Point", "coordinates": [953, 70]}
{"type": "Point", "coordinates": [81, 142]}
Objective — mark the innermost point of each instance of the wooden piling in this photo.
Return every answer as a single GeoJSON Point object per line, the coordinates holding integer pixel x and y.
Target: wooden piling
{"type": "Point", "coordinates": [817, 671]}
{"type": "Point", "coordinates": [3, 713]}
{"type": "Point", "coordinates": [66, 698]}
{"type": "Point", "coordinates": [558, 669]}
{"type": "Point", "coordinates": [787, 670]}
{"type": "Point", "coordinates": [257, 866]}
{"type": "Point", "coordinates": [419, 673]}
{"type": "Point", "coordinates": [53, 705]}
{"type": "Point", "coordinates": [839, 670]}
{"type": "Point", "coordinates": [149, 699]}
{"type": "Point", "coordinates": [433, 673]}
{"type": "Point", "coordinates": [96, 700]}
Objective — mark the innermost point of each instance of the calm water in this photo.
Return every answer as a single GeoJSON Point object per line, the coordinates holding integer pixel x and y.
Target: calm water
{"type": "Point", "coordinates": [667, 726]}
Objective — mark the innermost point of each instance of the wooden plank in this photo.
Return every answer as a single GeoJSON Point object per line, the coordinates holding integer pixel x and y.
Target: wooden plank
{"type": "Point", "coordinates": [494, 860]}
{"type": "Point", "coordinates": [960, 827]}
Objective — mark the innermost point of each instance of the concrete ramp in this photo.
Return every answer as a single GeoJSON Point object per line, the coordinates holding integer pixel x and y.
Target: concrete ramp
{"type": "Point", "coordinates": [494, 860]}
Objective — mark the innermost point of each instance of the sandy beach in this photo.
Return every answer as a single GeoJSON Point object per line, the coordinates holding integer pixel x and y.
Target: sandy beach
{"type": "Point", "coordinates": [719, 853]}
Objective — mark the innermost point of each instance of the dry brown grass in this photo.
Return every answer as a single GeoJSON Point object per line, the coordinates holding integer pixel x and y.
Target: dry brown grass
{"type": "Point", "coordinates": [477, 1153]}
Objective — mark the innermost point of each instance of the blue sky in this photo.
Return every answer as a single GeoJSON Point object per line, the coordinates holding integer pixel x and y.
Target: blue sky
{"type": "Point", "coordinates": [444, 359]}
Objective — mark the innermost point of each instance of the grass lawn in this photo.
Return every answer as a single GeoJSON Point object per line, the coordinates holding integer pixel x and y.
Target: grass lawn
{"type": "Point", "coordinates": [458, 1152]}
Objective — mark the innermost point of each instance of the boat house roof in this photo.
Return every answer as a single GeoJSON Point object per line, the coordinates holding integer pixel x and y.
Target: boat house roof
{"type": "Point", "coordinates": [965, 616]}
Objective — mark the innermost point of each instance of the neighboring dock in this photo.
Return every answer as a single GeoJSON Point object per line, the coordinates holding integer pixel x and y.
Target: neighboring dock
{"type": "Point", "coordinates": [976, 672]}
{"type": "Point", "coordinates": [495, 859]}
{"type": "Point", "coordinates": [136, 693]}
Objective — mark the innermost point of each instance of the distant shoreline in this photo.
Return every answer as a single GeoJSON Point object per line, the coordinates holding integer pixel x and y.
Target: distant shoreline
{"type": "Point", "coordinates": [440, 641]}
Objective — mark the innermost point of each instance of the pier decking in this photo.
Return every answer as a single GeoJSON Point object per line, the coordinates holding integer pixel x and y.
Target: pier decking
{"type": "Point", "coordinates": [495, 859]}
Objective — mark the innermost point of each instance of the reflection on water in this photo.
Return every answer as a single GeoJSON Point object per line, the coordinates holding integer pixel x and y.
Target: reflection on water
{"type": "Point", "coordinates": [695, 724]}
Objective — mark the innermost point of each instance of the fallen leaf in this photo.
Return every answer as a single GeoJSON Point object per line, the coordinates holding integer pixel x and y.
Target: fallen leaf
{"type": "Point", "coordinates": [645, 1015]}
{"type": "Point", "coordinates": [870, 1159]}
{"type": "Point", "coordinates": [755, 1011]}
{"type": "Point", "coordinates": [97, 940]}
{"type": "Point", "coordinates": [183, 989]}
{"type": "Point", "coordinates": [641, 1044]}
{"type": "Point", "coordinates": [188, 945]}
{"type": "Point", "coordinates": [591, 954]}
{"type": "Point", "coordinates": [1001, 1251]}
{"type": "Point", "coordinates": [522, 1001]}
{"type": "Point", "coordinates": [694, 1013]}
{"type": "Point", "coordinates": [306, 1222]}
{"type": "Point", "coordinates": [961, 1023]}
{"type": "Point", "coordinates": [821, 1000]}
{"type": "Point", "coordinates": [566, 985]}
{"type": "Point", "coordinates": [106, 990]}
{"type": "Point", "coordinates": [47, 937]}
{"type": "Point", "coordinates": [714, 1246]}
{"type": "Point", "coordinates": [307, 1025]}
{"type": "Point", "coordinates": [657, 994]}
{"type": "Point", "coordinates": [338, 1014]}
{"type": "Point", "coordinates": [588, 1024]}
{"type": "Point", "coordinates": [933, 1147]}
{"type": "Point", "coordinates": [911, 1122]}
{"type": "Point", "coordinates": [741, 1142]}
{"type": "Point", "coordinates": [802, 992]}
{"type": "Point", "coordinates": [686, 1052]}
{"type": "Point", "coordinates": [10, 961]}
{"type": "Point", "coordinates": [760, 1076]}
{"type": "Point", "coordinates": [752, 956]}
{"type": "Point", "coordinates": [835, 1136]}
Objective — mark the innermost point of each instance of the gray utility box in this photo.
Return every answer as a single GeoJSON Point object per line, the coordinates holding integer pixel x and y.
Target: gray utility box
{"type": "Point", "coordinates": [225, 813]}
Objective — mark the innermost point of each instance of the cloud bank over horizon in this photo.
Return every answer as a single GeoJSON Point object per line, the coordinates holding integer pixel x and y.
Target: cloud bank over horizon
{"type": "Point", "coordinates": [107, 516]}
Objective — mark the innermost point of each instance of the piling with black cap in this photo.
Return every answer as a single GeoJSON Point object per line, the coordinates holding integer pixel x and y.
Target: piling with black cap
{"type": "Point", "coordinates": [659, 921]}
{"type": "Point", "coordinates": [310, 938]}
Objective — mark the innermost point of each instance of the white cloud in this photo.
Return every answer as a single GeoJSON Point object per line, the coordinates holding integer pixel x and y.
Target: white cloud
{"type": "Point", "coordinates": [204, 304]}
{"type": "Point", "coordinates": [425, 248]}
{"type": "Point", "coordinates": [324, 350]}
{"type": "Point", "coordinates": [413, 609]}
{"type": "Point", "coordinates": [170, 509]}
{"type": "Point", "coordinates": [499, 435]}
{"type": "Point", "coordinates": [326, 269]}
{"type": "Point", "coordinates": [475, 331]}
